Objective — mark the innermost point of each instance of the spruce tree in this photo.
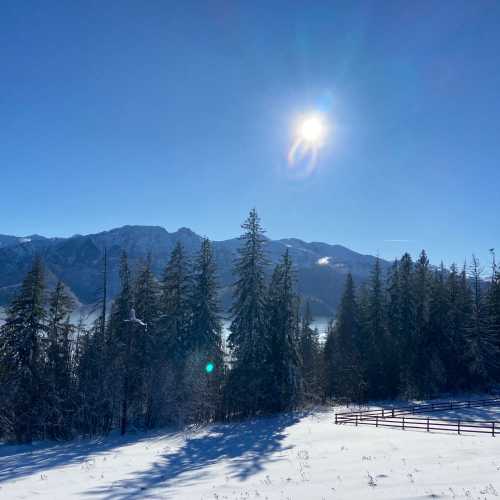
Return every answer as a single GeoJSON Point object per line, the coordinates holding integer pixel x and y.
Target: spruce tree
{"type": "Point", "coordinates": [435, 346]}
{"type": "Point", "coordinates": [346, 365]}
{"type": "Point", "coordinates": [283, 363]}
{"type": "Point", "coordinates": [408, 326]}
{"type": "Point", "coordinates": [493, 300]}
{"type": "Point", "coordinates": [375, 336]}
{"type": "Point", "coordinates": [310, 353]}
{"type": "Point", "coordinates": [95, 377]}
{"type": "Point", "coordinates": [419, 344]}
{"type": "Point", "coordinates": [60, 402]}
{"type": "Point", "coordinates": [126, 376]}
{"type": "Point", "coordinates": [173, 334]}
{"type": "Point", "coordinates": [22, 347]}
{"type": "Point", "coordinates": [205, 370]}
{"type": "Point", "coordinates": [453, 352]}
{"type": "Point", "coordinates": [148, 345]}
{"type": "Point", "coordinates": [482, 349]}
{"type": "Point", "coordinates": [395, 332]}
{"type": "Point", "coordinates": [247, 385]}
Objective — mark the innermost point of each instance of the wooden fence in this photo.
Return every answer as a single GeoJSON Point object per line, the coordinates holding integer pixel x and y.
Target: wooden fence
{"type": "Point", "coordinates": [402, 417]}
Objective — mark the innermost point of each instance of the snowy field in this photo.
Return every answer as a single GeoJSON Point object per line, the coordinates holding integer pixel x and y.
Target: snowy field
{"type": "Point", "coordinates": [288, 457]}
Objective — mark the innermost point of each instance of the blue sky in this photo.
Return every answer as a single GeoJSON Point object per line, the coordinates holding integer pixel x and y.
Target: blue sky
{"type": "Point", "coordinates": [181, 114]}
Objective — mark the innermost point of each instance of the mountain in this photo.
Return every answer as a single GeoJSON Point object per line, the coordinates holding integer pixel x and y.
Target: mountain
{"type": "Point", "coordinates": [321, 268]}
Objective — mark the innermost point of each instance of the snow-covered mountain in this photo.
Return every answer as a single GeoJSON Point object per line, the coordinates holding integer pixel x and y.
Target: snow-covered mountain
{"type": "Point", "coordinates": [321, 268]}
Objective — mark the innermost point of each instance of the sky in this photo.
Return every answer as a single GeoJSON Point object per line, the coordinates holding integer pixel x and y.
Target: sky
{"type": "Point", "coordinates": [183, 114]}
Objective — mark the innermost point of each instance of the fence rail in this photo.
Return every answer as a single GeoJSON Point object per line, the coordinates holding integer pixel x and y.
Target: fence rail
{"type": "Point", "coordinates": [401, 418]}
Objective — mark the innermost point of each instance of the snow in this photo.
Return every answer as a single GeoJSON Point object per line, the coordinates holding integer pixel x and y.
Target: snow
{"type": "Point", "coordinates": [292, 456]}
{"type": "Point", "coordinates": [323, 261]}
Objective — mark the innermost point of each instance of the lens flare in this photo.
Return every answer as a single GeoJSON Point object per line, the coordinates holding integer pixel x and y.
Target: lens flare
{"type": "Point", "coordinates": [309, 136]}
{"type": "Point", "coordinates": [209, 368]}
{"type": "Point", "coordinates": [311, 130]}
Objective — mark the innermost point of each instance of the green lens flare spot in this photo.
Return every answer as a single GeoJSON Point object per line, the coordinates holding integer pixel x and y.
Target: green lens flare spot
{"type": "Point", "coordinates": [209, 368]}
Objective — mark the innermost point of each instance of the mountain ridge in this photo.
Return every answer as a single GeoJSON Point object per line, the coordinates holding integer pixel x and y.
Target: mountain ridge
{"type": "Point", "coordinates": [76, 260]}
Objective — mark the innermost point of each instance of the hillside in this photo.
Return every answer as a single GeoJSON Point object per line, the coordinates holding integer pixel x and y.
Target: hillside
{"type": "Point", "coordinates": [290, 456]}
{"type": "Point", "coordinates": [321, 268]}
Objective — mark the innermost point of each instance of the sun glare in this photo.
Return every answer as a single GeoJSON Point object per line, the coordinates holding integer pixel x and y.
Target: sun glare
{"type": "Point", "coordinates": [309, 137]}
{"type": "Point", "coordinates": [312, 130]}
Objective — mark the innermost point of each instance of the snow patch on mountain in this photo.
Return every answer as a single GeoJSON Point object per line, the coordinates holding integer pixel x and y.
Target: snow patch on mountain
{"type": "Point", "coordinates": [323, 261]}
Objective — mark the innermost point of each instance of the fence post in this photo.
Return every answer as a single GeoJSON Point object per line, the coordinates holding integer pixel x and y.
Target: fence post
{"type": "Point", "coordinates": [393, 413]}
{"type": "Point", "coordinates": [376, 420]}
{"type": "Point", "coordinates": [493, 429]}
{"type": "Point", "coordinates": [356, 420]}
{"type": "Point", "coordinates": [403, 423]}
{"type": "Point", "coordinates": [427, 424]}
{"type": "Point", "coordinates": [382, 413]}
{"type": "Point", "coordinates": [459, 426]}
{"type": "Point", "coordinates": [336, 419]}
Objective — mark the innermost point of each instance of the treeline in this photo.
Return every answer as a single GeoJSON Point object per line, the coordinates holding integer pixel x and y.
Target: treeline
{"type": "Point", "coordinates": [414, 332]}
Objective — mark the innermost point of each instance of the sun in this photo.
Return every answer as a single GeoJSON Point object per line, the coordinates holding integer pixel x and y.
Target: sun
{"type": "Point", "coordinates": [311, 130]}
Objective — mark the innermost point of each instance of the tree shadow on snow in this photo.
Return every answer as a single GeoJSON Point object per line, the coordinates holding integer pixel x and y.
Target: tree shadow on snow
{"type": "Point", "coordinates": [17, 461]}
{"type": "Point", "coordinates": [247, 446]}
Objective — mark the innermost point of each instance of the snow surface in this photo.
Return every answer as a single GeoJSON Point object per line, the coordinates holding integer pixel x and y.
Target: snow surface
{"type": "Point", "coordinates": [293, 456]}
{"type": "Point", "coordinates": [323, 261]}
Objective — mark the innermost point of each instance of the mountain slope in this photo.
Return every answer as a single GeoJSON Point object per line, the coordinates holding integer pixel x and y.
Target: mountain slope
{"type": "Point", "coordinates": [321, 268]}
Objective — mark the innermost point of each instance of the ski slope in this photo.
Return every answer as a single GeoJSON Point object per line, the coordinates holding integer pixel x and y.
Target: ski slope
{"type": "Point", "coordinates": [292, 456]}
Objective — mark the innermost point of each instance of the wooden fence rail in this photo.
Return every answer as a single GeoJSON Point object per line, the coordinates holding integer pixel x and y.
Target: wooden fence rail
{"type": "Point", "coordinates": [414, 409]}
{"type": "Point", "coordinates": [403, 418]}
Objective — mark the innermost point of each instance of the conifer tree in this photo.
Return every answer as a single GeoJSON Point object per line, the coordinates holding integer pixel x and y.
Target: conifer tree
{"type": "Point", "coordinates": [493, 300]}
{"type": "Point", "coordinates": [482, 349]}
{"type": "Point", "coordinates": [435, 345]}
{"type": "Point", "coordinates": [408, 326]}
{"type": "Point", "coordinates": [122, 344]}
{"type": "Point", "coordinates": [148, 344]}
{"type": "Point", "coordinates": [375, 336]}
{"type": "Point", "coordinates": [345, 362]}
{"type": "Point", "coordinates": [22, 355]}
{"type": "Point", "coordinates": [205, 370]}
{"type": "Point", "coordinates": [246, 389]}
{"type": "Point", "coordinates": [283, 363]}
{"type": "Point", "coordinates": [419, 344]}
{"type": "Point", "coordinates": [174, 333]}
{"type": "Point", "coordinates": [460, 308]}
{"type": "Point", "coordinates": [60, 402]}
{"type": "Point", "coordinates": [395, 332]}
{"type": "Point", "coordinates": [310, 352]}
{"type": "Point", "coordinates": [94, 369]}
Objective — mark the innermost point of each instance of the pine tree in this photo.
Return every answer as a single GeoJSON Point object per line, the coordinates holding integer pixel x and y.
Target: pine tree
{"type": "Point", "coordinates": [60, 401]}
{"type": "Point", "coordinates": [419, 347]}
{"type": "Point", "coordinates": [408, 326]}
{"type": "Point", "coordinates": [482, 349]}
{"type": "Point", "coordinates": [122, 346]}
{"type": "Point", "coordinates": [148, 345]}
{"type": "Point", "coordinates": [346, 362]}
{"type": "Point", "coordinates": [395, 332]}
{"type": "Point", "coordinates": [375, 336]}
{"type": "Point", "coordinates": [22, 347]}
{"type": "Point", "coordinates": [283, 363]}
{"type": "Point", "coordinates": [205, 370]}
{"type": "Point", "coordinates": [174, 333]}
{"type": "Point", "coordinates": [247, 386]}
{"type": "Point", "coordinates": [435, 347]}
{"type": "Point", "coordinates": [493, 300]}
{"type": "Point", "coordinates": [460, 308]}
{"type": "Point", "coordinates": [310, 353]}
{"type": "Point", "coordinates": [94, 369]}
